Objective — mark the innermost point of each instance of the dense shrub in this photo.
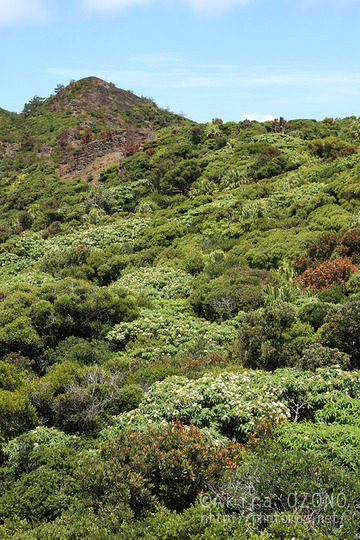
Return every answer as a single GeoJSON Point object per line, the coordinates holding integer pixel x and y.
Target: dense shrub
{"type": "Point", "coordinates": [32, 318]}
{"type": "Point", "coordinates": [271, 162]}
{"type": "Point", "coordinates": [271, 339]}
{"type": "Point", "coordinates": [328, 273]}
{"type": "Point", "coordinates": [238, 289]}
{"type": "Point", "coordinates": [41, 480]}
{"type": "Point", "coordinates": [82, 399]}
{"type": "Point", "coordinates": [314, 313]}
{"type": "Point", "coordinates": [168, 463]}
{"type": "Point", "coordinates": [317, 356]}
{"type": "Point", "coordinates": [342, 330]}
{"type": "Point", "coordinates": [17, 414]}
{"type": "Point", "coordinates": [323, 247]}
{"type": "Point", "coordinates": [350, 244]}
{"type": "Point", "coordinates": [280, 486]}
{"type": "Point", "coordinates": [331, 148]}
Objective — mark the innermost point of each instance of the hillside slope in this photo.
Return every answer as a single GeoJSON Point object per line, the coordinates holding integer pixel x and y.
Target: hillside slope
{"type": "Point", "coordinates": [179, 323]}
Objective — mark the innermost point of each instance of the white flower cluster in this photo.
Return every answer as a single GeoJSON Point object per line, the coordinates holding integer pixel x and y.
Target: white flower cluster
{"type": "Point", "coordinates": [156, 282]}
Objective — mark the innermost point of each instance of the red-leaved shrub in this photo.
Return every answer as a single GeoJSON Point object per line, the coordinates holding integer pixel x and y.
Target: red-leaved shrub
{"type": "Point", "coordinates": [328, 273]}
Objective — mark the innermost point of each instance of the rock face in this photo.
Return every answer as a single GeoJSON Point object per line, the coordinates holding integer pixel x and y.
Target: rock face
{"type": "Point", "coordinates": [92, 95]}
{"type": "Point", "coordinates": [91, 158]}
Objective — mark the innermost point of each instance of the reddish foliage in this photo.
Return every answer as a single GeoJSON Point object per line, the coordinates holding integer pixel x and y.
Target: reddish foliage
{"type": "Point", "coordinates": [350, 244]}
{"type": "Point", "coordinates": [62, 139]}
{"type": "Point", "coordinates": [279, 125]}
{"type": "Point", "coordinates": [87, 137]}
{"type": "Point", "coordinates": [107, 134]}
{"type": "Point", "coordinates": [27, 142]}
{"type": "Point", "coordinates": [212, 359]}
{"type": "Point", "coordinates": [302, 263]}
{"type": "Point", "coordinates": [150, 151]}
{"type": "Point", "coordinates": [172, 463]}
{"type": "Point", "coordinates": [263, 432]}
{"type": "Point", "coordinates": [132, 147]}
{"type": "Point", "coordinates": [327, 274]}
{"type": "Point", "coordinates": [323, 247]}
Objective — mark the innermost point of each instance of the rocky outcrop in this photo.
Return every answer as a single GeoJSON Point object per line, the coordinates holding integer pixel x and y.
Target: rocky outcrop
{"type": "Point", "coordinates": [90, 159]}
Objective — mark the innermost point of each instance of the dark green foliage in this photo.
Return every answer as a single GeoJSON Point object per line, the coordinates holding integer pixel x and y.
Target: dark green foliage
{"type": "Point", "coordinates": [317, 356]}
{"type": "Point", "coordinates": [294, 484]}
{"type": "Point", "coordinates": [40, 482]}
{"type": "Point", "coordinates": [55, 312]}
{"type": "Point", "coordinates": [342, 330]}
{"type": "Point", "coordinates": [147, 376]}
{"type": "Point", "coordinates": [11, 378]}
{"type": "Point", "coordinates": [331, 148]}
{"type": "Point", "coordinates": [271, 339]}
{"type": "Point", "coordinates": [161, 235]}
{"type": "Point", "coordinates": [126, 399]}
{"type": "Point", "coordinates": [238, 289]}
{"type": "Point", "coordinates": [33, 106]}
{"type": "Point", "coordinates": [314, 313]}
{"type": "Point", "coordinates": [82, 399]}
{"type": "Point", "coordinates": [271, 162]}
{"type": "Point", "coordinates": [17, 414]}
{"type": "Point", "coordinates": [80, 350]}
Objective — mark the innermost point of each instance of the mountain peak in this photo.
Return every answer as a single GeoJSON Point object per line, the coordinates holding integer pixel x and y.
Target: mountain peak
{"type": "Point", "coordinates": [93, 93]}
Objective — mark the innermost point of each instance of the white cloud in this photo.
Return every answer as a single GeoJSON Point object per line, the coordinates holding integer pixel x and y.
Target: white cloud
{"type": "Point", "coordinates": [20, 12]}
{"type": "Point", "coordinates": [257, 116]}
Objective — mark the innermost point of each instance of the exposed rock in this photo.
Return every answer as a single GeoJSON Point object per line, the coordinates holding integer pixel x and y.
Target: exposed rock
{"type": "Point", "coordinates": [90, 159]}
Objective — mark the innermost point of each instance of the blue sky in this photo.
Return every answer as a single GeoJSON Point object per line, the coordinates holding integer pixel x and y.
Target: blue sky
{"type": "Point", "coordinates": [229, 59]}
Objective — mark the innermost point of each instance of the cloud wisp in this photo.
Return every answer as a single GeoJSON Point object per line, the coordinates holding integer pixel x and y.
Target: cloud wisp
{"type": "Point", "coordinates": [257, 116]}
{"type": "Point", "coordinates": [169, 73]}
{"type": "Point", "coordinates": [214, 7]}
{"type": "Point", "coordinates": [23, 12]}
{"type": "Point", "coordinates": [199, 7]}
{"type": "Point", "coordinates": [106, 7]}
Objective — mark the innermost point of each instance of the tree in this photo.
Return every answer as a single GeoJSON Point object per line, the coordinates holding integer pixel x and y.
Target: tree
{"type": "Point", "coordinates": [58, 88]}
{"type": "Point", "coordinates": [279, 125]}
{"type": "Point", "coordinates": [32, 106]}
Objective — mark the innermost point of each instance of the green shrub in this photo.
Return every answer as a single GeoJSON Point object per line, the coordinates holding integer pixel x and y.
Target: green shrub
{"type": "Point", "coordinates": [338, 443]}
{"type": "Point", "coordinates": [283, 487]}
{"type": "Point", "coordinates": [314, 313]}
{"type": "Point", "coordinates": [11, 377]}
{"type": "Point", "coordinates": [17, 414]}
{"type": "Point", "coordinates": [168, 463]}
{"type": "Point", "coordinates": [271, 339]}
{"type": "Point", "coordinates": [126, 399]}
{"type": "Point", "coordinates": [317, 356]}
{"type": "Point", "coordinates": [331, 148]}
{"type": "Point", "coordinates": [342, 330]}
{"type": "Point", "coordinates": [238, 289]}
